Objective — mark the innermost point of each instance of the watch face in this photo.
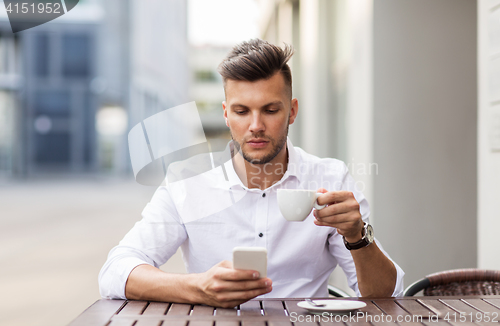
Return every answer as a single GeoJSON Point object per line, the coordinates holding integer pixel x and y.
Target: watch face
{"type": "Point", "coordinates": [369, 233]}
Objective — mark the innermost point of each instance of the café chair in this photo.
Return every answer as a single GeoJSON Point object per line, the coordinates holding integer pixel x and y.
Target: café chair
{"type": "Point", "coordinates": [457, 282]}
{"type": "Point", "coordinates": [336, 292]}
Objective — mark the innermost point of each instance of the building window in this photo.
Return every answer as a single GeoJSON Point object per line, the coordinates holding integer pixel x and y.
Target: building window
{"type": "Point", "coordinates": [41, 55]}
{"type": "Point", "coordinates": [76, 56]}
{"type": "Point", "coordinates": [53, 103]}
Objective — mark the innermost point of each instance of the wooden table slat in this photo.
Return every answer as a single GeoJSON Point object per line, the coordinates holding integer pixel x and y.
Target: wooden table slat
{"type": "Point", "coordinates": [173, 323]}
{"type": "Point", "coordinates": [123, 322]}
{"type": "Point", "coordinates": [291, 307]}
{"type": "Point", "coordinates": [99, 313]}
{"type": "Point", "coordinates": [273, 308]}
{"type": "Point", "coordinates": [458, 323]}
{"type": "Point", "coordinates": [253, 322]}
{"type": "Point", "coordinates": [146, 322]}
{"type": "Point", "coordinates": [201, 322]}
{"type": "Point", "coordinates": [390, 307]}
{"type": "Point", "coordinates": [493, 301]}
{"type": "Point", "coordinates": [225, 322]}
{"type": "Point", "coordinates": [179, 309]}
{"type": "Point", "coordinates": [331, 320]}
{"type": "Point", "coordinates": [482, 306]}
{"type": "Point", "coordinates": [415, 308]}
{"type": "Point", "coordinates": [133, 308]}
{"type": "Point", "coordinates": [250, 308]}
{"type": "Point", "coordinates": [305, 323]}
{"type": "Point", "coordinates": [384, 323]}
{"type": "Point", "coordinates": [279, 323]}
{"type": "Point", "coordinates": [409, 324]}
{"type": "Point", "coordinates": [462, 308]}
{"type": "Point", "coordinates": [226, 312]}
{"type": "Point", "coordinates": [371, 308]}
{"type": "Point", "coordinates": [156, 308]}
{"type": "Point", "coordinates": [435, 323]}
{"type": "Point", "coordinates": [437, 305]}
{"type": "Point", "coordinates": [361, 322]}
{"type": "Point", "coordinates": [201, 310]}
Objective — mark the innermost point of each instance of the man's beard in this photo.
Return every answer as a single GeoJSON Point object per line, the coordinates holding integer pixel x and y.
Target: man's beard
{"type": "Point", "coordinates": [276, 147]}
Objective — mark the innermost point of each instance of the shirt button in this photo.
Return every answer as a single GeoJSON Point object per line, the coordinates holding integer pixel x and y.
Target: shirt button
{"type": "Point", "coordinates": [261, 234]}
{"type": "Point", "coordinates": [264, 195]}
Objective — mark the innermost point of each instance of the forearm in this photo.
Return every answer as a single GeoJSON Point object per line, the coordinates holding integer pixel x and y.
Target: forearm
{"type": "Point", "coordinates": [146, 282]}
{"type": "Point", "coordinates": [376, 273]}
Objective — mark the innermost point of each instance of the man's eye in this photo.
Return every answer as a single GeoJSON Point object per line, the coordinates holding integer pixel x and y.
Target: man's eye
{"type": "Point", "coordinates": [240, 112]}
{"type": "Point", "coordinates": [272, 111]}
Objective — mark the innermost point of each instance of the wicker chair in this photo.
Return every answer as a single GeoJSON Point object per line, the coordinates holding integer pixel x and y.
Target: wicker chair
{"type": "Point", "coordinates": [458, 282]}
{"type": "Point", "coordinates": [336, 292]}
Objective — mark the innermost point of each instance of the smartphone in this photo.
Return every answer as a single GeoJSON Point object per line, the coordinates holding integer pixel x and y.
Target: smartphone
{"type": "Point", "coordinates": [253, 258]}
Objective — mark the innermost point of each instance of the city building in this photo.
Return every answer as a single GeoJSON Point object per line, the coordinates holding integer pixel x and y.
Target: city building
{"type": "Point", "coordinates": [48, 105]}
{"type": "Point", "coordinates": [70, 89]}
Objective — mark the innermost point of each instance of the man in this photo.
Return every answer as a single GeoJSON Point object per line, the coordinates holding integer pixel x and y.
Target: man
{"type": "Point", "coordinates": [258, 110]}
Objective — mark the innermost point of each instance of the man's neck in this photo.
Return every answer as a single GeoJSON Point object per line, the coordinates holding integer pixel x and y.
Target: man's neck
{"type": "Point", "coordinates": [261, 176]}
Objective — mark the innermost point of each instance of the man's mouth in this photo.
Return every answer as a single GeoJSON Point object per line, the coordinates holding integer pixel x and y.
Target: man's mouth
{"type": "Point", "coordinates": [257, 143]}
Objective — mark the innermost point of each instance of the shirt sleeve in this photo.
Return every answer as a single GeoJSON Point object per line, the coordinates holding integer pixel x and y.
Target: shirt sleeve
{"type": "Point", "coordinates": [152, 241]}
{"type": "Point", "coordinates": [342, 254]}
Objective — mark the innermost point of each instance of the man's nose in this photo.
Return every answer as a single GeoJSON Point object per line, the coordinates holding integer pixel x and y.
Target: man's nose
{"type": "Point", "coordinates": [257, 124]}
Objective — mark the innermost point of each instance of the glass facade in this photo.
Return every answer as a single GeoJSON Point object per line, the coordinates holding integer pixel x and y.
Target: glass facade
{"type": "Point", "coordinates": [59, 106]}
{"type": "Point", "coordinates": [41, 58]}
{"type": "Point", "coordinates": [76, 56]}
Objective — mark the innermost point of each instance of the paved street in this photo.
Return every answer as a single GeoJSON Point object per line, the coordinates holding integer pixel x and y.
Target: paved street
{"type": "Point", "coordinates": [55, 234]}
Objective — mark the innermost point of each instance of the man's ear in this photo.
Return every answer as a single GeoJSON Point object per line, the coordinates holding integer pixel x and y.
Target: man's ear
{"type": "Point", "coordinates": [294, 110]}
{"type": "Point", "coordinates": [225, 112]}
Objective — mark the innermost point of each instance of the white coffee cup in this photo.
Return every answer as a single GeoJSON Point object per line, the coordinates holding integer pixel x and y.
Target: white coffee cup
{"type": "Point", "coordinates": [296, 204]}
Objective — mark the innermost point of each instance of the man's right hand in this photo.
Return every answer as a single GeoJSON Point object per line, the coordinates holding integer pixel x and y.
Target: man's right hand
{"type": "Point", "coordinates": [223, 286]}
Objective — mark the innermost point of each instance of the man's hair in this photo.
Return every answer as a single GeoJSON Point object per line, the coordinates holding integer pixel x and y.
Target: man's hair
{"type": "Point", "coordinates": [255, 60]}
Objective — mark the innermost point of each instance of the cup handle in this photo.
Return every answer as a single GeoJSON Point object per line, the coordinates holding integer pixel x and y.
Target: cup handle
{"type": "Point", "coordinates": [316, 205]}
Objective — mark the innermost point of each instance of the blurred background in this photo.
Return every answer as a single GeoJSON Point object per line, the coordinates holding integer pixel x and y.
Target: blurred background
{"type": "Point", "coordinates": [407, 93]}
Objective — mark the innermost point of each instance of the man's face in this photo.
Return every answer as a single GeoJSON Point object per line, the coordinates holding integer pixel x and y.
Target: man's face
{"type": "Point", "coordinates": [258, 115]}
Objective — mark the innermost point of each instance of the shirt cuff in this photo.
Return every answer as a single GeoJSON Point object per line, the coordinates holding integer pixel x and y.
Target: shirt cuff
{"type": "Point", "coordinates": [114, 279]}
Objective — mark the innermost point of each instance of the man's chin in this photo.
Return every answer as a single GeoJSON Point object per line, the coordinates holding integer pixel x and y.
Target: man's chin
{"type": "Point", "coordinates": [258, 159]}
{"type": "Point", "coordinates": [254, 159]}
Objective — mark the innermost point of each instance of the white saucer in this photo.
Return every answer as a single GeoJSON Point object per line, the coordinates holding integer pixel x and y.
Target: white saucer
{"type": "Point", "coordinates": [333, 306]}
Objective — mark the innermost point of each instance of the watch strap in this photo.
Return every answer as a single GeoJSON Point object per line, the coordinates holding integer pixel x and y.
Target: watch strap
{"type": "Point", "coordinates": [363, 242]}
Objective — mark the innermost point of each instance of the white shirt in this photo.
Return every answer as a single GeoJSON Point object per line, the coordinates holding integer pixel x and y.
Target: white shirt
{"type": "Point", "coordinates": [209, 214]}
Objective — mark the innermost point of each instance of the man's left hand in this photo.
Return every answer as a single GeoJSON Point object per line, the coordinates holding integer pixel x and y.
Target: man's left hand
{"type": "Point", "coordinates": [341, 213]}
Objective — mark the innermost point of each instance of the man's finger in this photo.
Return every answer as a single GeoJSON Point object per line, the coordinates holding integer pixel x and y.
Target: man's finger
{"type": "Point", "coordinates": [229, 274]}
{"type": "Point", "coordinates": [334, 223]}
{"type": "Point", "coordinates": [244, 285]}
{"type": "Point", "coordinates": [243, 295]}
{"type": "Point", "coordinates": [336, 209]}
{"type": "Point", "coordinates": [334, 196]}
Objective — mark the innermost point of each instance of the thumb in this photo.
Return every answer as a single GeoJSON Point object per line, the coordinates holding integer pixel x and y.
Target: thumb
{"type": "Point", "coordinates": [322, 190]}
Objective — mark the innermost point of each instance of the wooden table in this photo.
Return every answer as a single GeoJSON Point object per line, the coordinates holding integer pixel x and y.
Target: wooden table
{"type": "Point", "coordinates": [408, 311]}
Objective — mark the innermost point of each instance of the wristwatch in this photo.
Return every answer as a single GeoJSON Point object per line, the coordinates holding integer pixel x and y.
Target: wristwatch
{"type": "Point", "coordinates": [367, 239]}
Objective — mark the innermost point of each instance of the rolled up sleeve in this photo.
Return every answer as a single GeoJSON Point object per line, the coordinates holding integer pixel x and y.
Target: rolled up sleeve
{"type": "Point", "coordinates": [343, 256]}
{"type": "Point", "coordinates": [152, 241]}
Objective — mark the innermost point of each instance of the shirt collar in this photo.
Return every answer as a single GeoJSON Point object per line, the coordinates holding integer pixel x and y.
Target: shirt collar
{"type": "Point", "coordinates": [292, 167]}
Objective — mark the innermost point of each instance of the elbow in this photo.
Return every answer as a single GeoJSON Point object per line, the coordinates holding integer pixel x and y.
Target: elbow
{"type": "Point", "coordinates": [107, 286]}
